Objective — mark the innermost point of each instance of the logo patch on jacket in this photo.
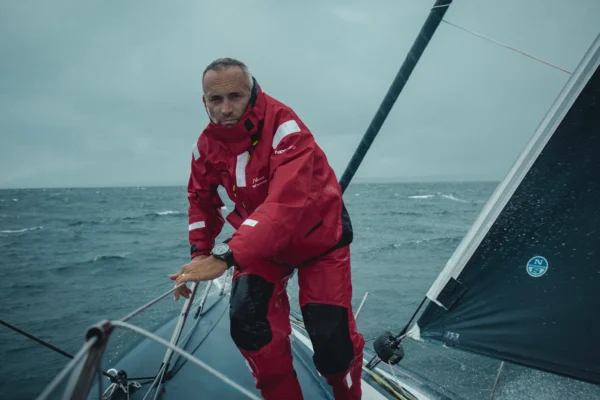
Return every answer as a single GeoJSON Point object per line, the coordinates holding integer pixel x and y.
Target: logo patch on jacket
{"type": "Point", "coordinates": [292, 147]}
{"type": "Point", "coordinates": [256, 182]}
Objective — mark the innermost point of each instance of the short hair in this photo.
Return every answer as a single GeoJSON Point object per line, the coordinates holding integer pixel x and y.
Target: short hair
{"type": "Point", "coordinates": [220, 63]}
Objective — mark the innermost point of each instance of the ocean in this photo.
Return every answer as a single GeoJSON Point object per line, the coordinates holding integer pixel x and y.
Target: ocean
{"type": "Point", "coordinates": [71, 257]}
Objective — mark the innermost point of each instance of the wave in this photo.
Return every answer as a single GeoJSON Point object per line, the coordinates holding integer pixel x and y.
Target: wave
{"type": "Point", "coordinates": [103, 260]}
{"type": "Point", "coordinates": [35, 228]}
{"type": "Point", "coordinates": [406, 213]}
{"type": "Point", "coordinates": [110, 257]}
{"type": "Point", "coordinates": [432, 241]}
{"type": "Point", "coordinates": [446, 196]}
{"type": "Point", "coordinates": [79, 223]}
{"type": "Point", "coordinates": [151, 215]}
{"type": "Point", "coordinates": [451, 197]}
{"type": "Point", "coordinates": [167, 213]}
{"type": "Point", "coordinates": [442, 212]}
{"type": "Point", "coordinates": [435, 241]}
{"type": "Point", "coordinates": [28, 285]}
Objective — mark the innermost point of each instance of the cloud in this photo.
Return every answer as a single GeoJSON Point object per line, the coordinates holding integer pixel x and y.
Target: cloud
{"type": "Point", "coordinates": [106, 93]}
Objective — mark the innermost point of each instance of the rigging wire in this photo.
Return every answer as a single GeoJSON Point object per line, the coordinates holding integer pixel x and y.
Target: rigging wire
{"type": "Point", "coordinates": [507, 46]}
{"type": "Point", "coordinates": [37, 339]}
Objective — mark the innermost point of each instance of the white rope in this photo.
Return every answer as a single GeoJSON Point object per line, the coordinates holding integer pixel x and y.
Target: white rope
{"type": "Point", "coordinates": [58, 378]}
{"type": "Point", "coordinates": [397, 382]}
{"type": "Point", "coordinates": [362, 303]}
{"type": "Point", "coordinates": [108, 393]}
{"type": "Point", "coordinates": [187, 355]}
{"type": "Point", "coordinates": [508, 47]}
{"type": "Point", "coordinates": [497, 379]}
{"type": "Point", "coordinates": [145, 306]}
{"type": "Point", "coordinates": [156, 379]}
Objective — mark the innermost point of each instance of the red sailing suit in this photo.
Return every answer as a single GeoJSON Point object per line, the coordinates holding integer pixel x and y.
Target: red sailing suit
{"type": "Point", "coordinates": [288, 214]}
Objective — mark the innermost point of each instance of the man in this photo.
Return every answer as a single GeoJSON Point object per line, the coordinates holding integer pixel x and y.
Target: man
{"type": "Point", "coordinates": [288, 214]}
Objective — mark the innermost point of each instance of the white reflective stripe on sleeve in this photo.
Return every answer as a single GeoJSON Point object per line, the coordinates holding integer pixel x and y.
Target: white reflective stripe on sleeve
{"type": "Point", "coordinates": [250, 222]}
{"type": "Point", "coordinates": [285, 129]}
{"type": "Point", "coordinates": [196, 225]}
{"type": "Point", "coordinates": [240, 169]}
{"type": "Point", "coordinates": [196, 152]}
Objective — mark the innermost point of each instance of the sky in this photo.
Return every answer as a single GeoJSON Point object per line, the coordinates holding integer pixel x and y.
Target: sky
{"type": "Point", "coordinates": [108, 93]}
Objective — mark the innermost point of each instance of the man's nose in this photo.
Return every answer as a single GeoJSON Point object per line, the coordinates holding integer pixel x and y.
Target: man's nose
{"type": "Point", "coordinates": [226, 107]}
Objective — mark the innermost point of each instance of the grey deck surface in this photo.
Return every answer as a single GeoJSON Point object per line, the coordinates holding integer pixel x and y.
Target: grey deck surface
{"type": "Point", "coordinates": [210, 342]}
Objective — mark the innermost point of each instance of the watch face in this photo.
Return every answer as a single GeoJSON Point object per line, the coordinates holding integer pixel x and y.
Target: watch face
{"type": "Point", "coordinates": [220, 249]}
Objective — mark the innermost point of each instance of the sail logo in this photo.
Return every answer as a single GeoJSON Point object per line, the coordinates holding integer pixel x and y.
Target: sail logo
{"type": "Point", "coordinates": [537, 266]}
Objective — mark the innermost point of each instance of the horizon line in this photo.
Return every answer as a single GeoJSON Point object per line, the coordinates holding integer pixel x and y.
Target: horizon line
{"type": "Point", "coordinates": [357, 181]}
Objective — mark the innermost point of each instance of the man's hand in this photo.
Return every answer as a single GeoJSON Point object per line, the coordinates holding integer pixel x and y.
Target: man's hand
{"type": "Point", "coordinates": [201, 268]}
{"type": "Point", "coordinates": [184, 290]}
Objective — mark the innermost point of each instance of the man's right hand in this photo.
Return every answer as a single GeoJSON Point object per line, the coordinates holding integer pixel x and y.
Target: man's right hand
{"type": "Point", "coordinates": [185, 291]}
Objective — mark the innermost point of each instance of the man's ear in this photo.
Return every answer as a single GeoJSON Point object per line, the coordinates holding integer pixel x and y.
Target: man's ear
{"type": "Point", "coordinates": [206, 108]}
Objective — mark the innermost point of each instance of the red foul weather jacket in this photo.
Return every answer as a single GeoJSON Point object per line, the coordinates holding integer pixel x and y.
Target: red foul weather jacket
{"type": "Point", "coordinates": [288, 202]}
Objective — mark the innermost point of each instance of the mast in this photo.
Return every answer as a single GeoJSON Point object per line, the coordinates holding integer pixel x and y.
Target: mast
{"type": "Point", "coordinates": [429, 27]}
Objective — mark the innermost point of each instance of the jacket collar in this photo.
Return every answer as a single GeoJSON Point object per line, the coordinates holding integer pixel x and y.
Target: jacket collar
{"type": "Point", "coordinates": [237, 138]}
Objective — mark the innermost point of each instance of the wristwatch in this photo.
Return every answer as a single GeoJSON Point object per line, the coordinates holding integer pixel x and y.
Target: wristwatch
{"type": "Point", "coordinates": [223, 252]}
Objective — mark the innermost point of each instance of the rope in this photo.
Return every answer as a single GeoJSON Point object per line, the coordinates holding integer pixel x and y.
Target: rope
{"type": "Point", "coordinates": [145, 306]}
{"type": "Point", "coordinates": [497, 379]}
{"type": "Point", "coordinates": [32, 337]}
{"type": "Point", "coordinates": [383, 382]}
{"type": "Point", "coordinates": [507, 46]}
{"type": "Point", "coordinates": [395, 382]}
{"type": "Point", "coordinates": [176, 367]}
{"type": "Point", "coordinates": [108, 393]}
{"type": "Point", "coordinates": [58, 378]}
{"type": "Point", "coordinates": [158, 377]}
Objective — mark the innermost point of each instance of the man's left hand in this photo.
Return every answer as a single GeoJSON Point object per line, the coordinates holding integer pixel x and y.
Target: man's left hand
{"type": "Point", "coordinates": [200, 270]}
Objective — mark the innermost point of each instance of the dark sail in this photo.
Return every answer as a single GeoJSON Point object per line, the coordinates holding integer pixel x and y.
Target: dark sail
{"type": "Point", "coordinates": [525, 287]}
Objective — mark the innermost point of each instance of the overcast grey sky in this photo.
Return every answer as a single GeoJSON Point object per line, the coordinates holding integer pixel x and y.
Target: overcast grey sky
{"type": "Point", "coordinates": [97, 93]}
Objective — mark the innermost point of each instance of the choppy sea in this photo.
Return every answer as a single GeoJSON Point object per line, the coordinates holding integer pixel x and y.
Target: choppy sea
{"type": "Point", "coordinates": [72, 257]}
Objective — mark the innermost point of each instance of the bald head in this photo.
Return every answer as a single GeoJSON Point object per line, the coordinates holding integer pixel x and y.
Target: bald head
{"type": "Point", "coordinates": [220, 64]}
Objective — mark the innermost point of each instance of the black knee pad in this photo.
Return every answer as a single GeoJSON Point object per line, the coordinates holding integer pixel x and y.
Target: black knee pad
{"type": "Point", "coordinates": [327, 326]}
{"type": "Point", "coordinates": [249, 304]}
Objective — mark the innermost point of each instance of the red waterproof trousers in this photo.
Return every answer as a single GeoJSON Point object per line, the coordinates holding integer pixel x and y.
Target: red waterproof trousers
{"type": "Point", "coordinates": [260, 325]}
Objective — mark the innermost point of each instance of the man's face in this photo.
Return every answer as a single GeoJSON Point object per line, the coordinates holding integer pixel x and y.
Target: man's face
{"type": "Point", "coordinates": [226, 95]}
